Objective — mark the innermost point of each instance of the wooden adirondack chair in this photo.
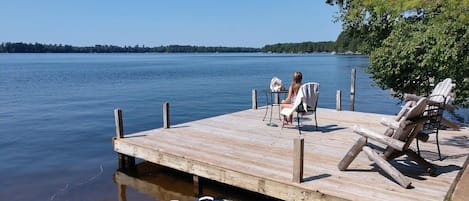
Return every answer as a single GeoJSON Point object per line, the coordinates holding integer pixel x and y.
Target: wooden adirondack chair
{"type": "Point", "coordinates": [400, 133]}
{"type": "Point", "coordinates": [439, 100]}
{"type": "Point", "coordinates": [442, 97]}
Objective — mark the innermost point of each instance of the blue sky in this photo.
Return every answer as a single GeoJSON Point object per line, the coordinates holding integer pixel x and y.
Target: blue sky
{"type": "Point", "coordinates": [246, 23]}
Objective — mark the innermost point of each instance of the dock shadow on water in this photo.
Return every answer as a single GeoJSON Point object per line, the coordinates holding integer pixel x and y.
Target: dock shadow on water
{"type": "Point", "coordinates": [163, 183]}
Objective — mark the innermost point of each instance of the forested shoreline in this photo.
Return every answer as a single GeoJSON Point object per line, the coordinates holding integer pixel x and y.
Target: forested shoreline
{"type": "Point", "coordinates": [59, 48]}
{"type": "Point", "coordinates": [343, 44]}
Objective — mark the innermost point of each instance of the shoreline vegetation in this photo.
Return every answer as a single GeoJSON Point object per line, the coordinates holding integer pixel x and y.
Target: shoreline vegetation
{"type": "Point", "coordinates": [333, 47]}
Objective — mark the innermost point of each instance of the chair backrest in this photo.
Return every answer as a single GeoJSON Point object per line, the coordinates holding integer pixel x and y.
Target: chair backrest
{"type": "Point", "coordinates": [409, 125]}
{"type": "Point", "coordinates": [404, 120]}
{"type": "Point", "coordinates": [306, 98]}
{"type": "Point", "coordinates": [441, 92]}
{"type": "Point", "coordinates": [417, 109]}
{"type": "Point", "coordinates": [310, 94]}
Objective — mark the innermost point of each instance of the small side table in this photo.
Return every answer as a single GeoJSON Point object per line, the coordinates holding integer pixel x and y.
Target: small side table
{"type": "Point", "coordinates": [273, 99]}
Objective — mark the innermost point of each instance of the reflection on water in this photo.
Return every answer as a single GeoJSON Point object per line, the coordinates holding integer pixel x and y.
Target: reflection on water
{"type": "Point", "coordinates": [162, 183]}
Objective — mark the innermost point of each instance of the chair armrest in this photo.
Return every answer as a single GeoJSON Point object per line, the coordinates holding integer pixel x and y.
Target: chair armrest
{"type": "Point", "coordinates": [392, 124]}
{"type": "Point", "coordinates": [413, 97]}
{"type": "Point", "coordinates": [450, 124]}
{"type": "Point", "coordinates": [450, 107]}
{"type": "Point", "coordinates": [396, 144]}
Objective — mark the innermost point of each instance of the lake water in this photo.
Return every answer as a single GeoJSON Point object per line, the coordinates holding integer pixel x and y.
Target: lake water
{"type": "Point", "coordinates": [57, 121]}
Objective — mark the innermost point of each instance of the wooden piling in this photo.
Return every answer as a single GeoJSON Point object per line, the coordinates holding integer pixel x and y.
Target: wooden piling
{"type": "Point", "coordinates": [118, 122]}
{"type": "Point", "coordinates": [125, 162]}
{"type": "Point", "coordinates": [197, 186]}
{"type": "Point", "coordinates": [352, 90]}
{"type": "Point", "coordinates": [338, 100]}
{"type": "Point", "coordinates": [254, 99]}
{"type": "Point", "coordinates": [166, 115]}
{"type": "Point", "coordinates": [298, 153]}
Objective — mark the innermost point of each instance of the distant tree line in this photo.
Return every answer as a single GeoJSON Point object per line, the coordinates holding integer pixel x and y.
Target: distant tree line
{"type": "Point", "coordinates": [345, 43]}
{"type": "Point", "coordinates": [59, 48]}
{"type": "Point", "coordinates": [305, 47]}
{"type": "Point", "coordinates": [348, 42]}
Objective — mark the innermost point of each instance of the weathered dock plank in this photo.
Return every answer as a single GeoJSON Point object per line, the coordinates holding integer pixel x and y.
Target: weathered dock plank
{"type": "Point", "coordinates": [240, 150]}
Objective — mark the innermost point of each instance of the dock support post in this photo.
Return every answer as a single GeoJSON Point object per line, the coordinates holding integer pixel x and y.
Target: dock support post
{"type": "Point", "coordinates": [197, 186]}
{"type": "Point", "coordinates": [352, 90]}
{"type": "Point", "coordinates": [254, 99]}
{"type": "Point", "coordinates": [166, 115]}
{"type": "Point", "coordinates": [338, 100]}
{"type": "Point", "coordinates": [119, 124]}
{"type": "Point", "coordinates": [298, 155]}
{"type": "Point", "coordinates": [125, 162]}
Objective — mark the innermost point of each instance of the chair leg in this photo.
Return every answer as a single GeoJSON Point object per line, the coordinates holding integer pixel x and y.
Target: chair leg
{"type": "Point", "coordinates": [352, 153]}
{"type": "Point", "coordinates": [265, 114]}
{"type": "Point", "coordinates": [271, 112]}
{"type": "Point", "coordinates": [298, 122]}
{"type": "Point", "coordinates": [386, 167]}
{"type": "Point", "coordinates": [279, 116]}
{"type": "Point", "coordinates": [417, 143]}
{"type": "Point", "coordinates": [316, 120]}
{"type": "Point", "coordinates": [428, 167]}
{"type": "Point", "coordinates": [284, 120]}
{"type": "Point", "coordinates": [267, 105]}
{"type": "Point", "coordinates": [438, 145]}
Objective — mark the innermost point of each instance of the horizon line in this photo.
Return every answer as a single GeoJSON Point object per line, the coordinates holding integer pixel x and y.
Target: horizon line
{"type": "Point", "coordinates": [146, 46]}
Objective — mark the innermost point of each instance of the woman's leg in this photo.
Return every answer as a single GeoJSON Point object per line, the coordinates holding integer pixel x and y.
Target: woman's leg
{"type": "Point", "coordinates": [288, 120]}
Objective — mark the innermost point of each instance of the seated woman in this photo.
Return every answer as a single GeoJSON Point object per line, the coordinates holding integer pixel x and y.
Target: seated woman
{"type": "Point", "coordinates": [292, 92]}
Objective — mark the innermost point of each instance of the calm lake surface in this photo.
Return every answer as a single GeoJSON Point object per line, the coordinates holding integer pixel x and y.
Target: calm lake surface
{"type": "Point", "coordinates": [57, 121]}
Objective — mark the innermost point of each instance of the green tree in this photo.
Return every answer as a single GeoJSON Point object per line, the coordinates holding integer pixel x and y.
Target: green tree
{"type": "Point", "coordinates": [412, 43]}
{"type": "Point", "coordinates": [305, 47]}
{"type": "Point", "coordinates": [346, 41]}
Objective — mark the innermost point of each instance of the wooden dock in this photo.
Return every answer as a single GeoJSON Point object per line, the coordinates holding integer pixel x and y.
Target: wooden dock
{"type": "Point", "coordinates": [240, 150]}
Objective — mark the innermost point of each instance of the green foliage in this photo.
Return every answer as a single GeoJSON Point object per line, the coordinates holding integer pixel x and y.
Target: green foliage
{"type": "Point", "coordinates": [346, 41]}
{"type": "Point", "coordinates": [412, 43]}
{"type": "Point", "coordinates": [305, 47]}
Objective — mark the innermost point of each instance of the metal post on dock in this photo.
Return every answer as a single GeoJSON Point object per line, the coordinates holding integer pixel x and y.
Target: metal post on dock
{"type": "Point", "coordinates": [338, 100]}
{"type": "Point", "coordinates": [166, 115]}
{"type": "Point", "coordinates": [254, 99]}
{"type": "Point", "coordinates": [298, 155]}
{"type": "Point", "coordinates": [352, 90]}
{"type": "Point", "coordinates": [125, 162]}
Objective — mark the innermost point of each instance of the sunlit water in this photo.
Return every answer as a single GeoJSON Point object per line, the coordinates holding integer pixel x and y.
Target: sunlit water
{"type": "Point", "coordinates": [56, 114]}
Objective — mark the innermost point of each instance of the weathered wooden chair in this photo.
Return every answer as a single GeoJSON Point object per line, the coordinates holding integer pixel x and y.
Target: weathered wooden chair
{"type": "Point", "coordinates": [439, 100]}
{"type": "Point", "coordinates": [442, 97]}
{"type": "Point", "coordinates": [400, 133]}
